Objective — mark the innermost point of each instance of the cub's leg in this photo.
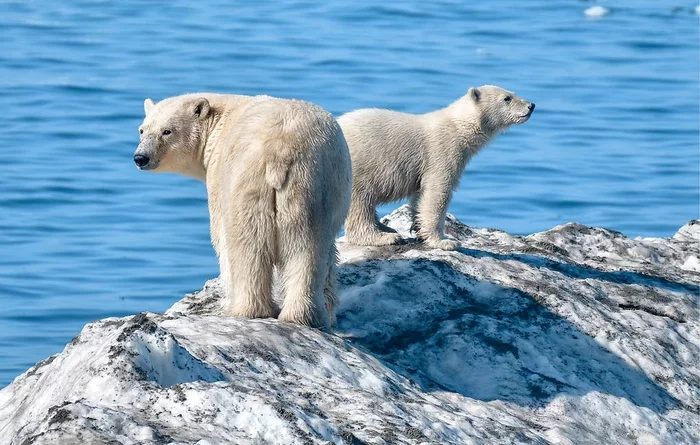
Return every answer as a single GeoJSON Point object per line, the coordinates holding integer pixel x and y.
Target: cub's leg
{"type": "Point", "coordinates": [413, 203]}
{"type": "Point", "coordinates": [248, 257]}
{"type": "Point", "coordinates": [432, 209]}
{"type": "Point", "coordinates": [362, 227]}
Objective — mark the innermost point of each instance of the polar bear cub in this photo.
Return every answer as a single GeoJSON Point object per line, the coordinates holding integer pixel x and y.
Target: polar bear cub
{"type": "Point", "coordinates": [421, 157]}
{"type": "Point", "coordinates": [278, 178]}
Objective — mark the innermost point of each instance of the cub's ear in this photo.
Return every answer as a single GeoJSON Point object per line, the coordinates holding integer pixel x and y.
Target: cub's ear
{"type": "Point", "coordinates": [201, 107]}
{"type": "Point", "coordinates": [148, 105]}
{"type": "Point", "coordinates": [475, 94]}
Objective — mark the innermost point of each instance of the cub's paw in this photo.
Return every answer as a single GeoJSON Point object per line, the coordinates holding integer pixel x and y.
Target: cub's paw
{"type": "Point", "coordinates": [442, 244]}
{"type": "Point", "coordinates": [387, 239]}
{"type": "Point", "coordinates": [375, 239]}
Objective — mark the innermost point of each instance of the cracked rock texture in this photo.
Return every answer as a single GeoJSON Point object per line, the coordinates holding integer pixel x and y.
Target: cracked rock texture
{"type": "Point", "coordinates": [569, 336]}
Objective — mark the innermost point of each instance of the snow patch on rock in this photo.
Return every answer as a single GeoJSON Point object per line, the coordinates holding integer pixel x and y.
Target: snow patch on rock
{"type": "Point", "coordinates": [691, 264]}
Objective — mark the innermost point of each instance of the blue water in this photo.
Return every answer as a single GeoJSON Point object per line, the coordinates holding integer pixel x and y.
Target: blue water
{"type": "Point", "coordinates": [84, 235]}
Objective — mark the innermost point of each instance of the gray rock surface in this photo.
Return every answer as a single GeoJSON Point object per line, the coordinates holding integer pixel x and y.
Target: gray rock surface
{"type": "Point", "coordinates": [569, 336]}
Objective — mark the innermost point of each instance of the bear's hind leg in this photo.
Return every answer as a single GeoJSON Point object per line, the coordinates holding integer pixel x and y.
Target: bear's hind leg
{"type": "Point", "coordinates": [362, 227]}
{"type": "Point", "coordinates": [304, 274]}
{"type": "Point", "coordinates": [329, 292]}
{"type": "Point", "coordinates": [247, 271]}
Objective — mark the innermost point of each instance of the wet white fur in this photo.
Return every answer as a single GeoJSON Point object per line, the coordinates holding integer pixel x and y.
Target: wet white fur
{"type": "Point", "coordinates": [278, 180]}
{"type": "Point", "coordinates": [421, 157]}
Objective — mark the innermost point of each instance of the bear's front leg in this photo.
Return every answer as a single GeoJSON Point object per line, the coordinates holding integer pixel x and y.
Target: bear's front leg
{"type": "Point", "coordinates": [218, 240]}
{"type": "Point", "coordinates": [432, 210]}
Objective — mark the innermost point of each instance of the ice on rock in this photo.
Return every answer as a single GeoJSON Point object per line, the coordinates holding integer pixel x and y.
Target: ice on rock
{"type": "Point", "coordinates": [573, 335]}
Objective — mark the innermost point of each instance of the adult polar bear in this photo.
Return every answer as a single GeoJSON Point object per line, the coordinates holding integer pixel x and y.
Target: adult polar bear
{"type": "Point", "coordinates": [278, 180]}
{"type": "Point", "coordinates": [421, 157]}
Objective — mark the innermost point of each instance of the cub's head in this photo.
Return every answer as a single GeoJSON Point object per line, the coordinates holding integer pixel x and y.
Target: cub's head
{"type": "Point", "coordinates": [171, 134]}
{"type": "Point", "coordinates": [497, 108]}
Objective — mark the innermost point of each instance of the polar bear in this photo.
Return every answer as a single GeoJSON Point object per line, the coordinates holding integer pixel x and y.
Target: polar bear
{"type": "Point", "coordinates": [421, 157]}
{"type": "Point", "coordinates": [278, 177]}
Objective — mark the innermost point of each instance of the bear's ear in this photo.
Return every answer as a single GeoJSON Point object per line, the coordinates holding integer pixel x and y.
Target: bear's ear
{"type": "Point", "coordinates": [201, 107]}
{"type": "Point", "coordinates": [148, 105]}
{"type": "Point", "coordinates": [475, 94]}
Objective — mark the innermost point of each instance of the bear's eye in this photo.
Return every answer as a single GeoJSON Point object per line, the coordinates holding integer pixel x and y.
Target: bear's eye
{"type": "Point", "coordinates": [140, 130]}
{"type": "Point", "coordinates": [166, 132]}
{"type": "Point", "coordinates": [507, 98]}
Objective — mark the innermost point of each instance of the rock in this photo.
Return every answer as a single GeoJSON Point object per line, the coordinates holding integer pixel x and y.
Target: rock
{"type": "Point", "coordinates": [573, 335]}
{"type": "Point", "coordinates": [689, 232]}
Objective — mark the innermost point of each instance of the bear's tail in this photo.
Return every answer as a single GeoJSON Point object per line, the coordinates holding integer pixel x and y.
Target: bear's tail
{"type": "Point", "coordinates": [276, 172]}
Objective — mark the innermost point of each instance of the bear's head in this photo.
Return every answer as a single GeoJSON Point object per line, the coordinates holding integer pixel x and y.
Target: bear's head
{"type": "Point", "coordinates": [171, 135]}
{"type": "Point", "coordinates": [498, 109]}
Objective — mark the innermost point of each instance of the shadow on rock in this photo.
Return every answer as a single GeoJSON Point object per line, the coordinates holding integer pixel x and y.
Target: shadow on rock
{"type": "Point", "coordinates": [447, 330]}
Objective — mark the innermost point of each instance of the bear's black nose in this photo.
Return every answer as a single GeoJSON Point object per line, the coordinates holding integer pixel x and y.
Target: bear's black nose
{"type": "Point", "coordinates": [141, 160]}
{"type": "Point", "coordinates": [531, 107]}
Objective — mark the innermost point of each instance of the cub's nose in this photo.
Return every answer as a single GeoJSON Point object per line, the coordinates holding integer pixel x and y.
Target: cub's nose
{"type": "Point", "coordinates": [531, 107]}
{"type": "Point", "coordinates": [141, 160]}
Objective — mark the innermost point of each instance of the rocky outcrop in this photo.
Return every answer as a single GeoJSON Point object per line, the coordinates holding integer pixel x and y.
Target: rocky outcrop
{"type": "Point", "coordinates": [573, 335]}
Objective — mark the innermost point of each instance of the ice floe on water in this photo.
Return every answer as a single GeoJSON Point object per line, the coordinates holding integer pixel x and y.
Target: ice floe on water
{"type": "Point", "coordinates": [596, 11]}
{"type": "Point", "coordinates": [573, 335]}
